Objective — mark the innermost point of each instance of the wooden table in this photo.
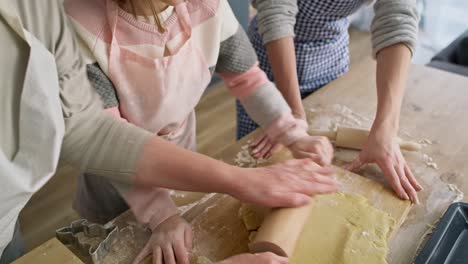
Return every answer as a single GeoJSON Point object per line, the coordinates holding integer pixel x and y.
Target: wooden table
{"type": "Point", "coordinates": [435, 108]}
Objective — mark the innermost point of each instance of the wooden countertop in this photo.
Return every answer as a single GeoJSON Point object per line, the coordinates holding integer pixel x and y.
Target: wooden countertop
{"type": "Point", "coordinates": [435, 108]}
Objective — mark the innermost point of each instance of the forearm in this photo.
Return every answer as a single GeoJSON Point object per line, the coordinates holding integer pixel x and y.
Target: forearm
{"type": "Point", "coordinates": [238, 66]}
{"type": "Point", "coordinates": [168, 166]}
{"type": "Point", "coordinates": [282, 57]}
{"type": "Point", "coordinates": [392, 71]}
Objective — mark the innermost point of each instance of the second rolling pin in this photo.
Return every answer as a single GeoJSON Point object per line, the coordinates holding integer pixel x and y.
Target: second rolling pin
{"type": "Point", "coordinates": [354, 138]}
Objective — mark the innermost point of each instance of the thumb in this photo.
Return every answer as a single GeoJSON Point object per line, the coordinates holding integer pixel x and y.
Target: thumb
{"type": "Point", "coordinates": [143, 254]}
{"type": "Point", "coordinates": [356, 164]}
{"type": "Point", "coordinates": [294, 200]}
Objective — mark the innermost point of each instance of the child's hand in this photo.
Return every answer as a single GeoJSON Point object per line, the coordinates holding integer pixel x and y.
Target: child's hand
{"type": "Point", "coordinates": [170, 242]}
{"type": "Point", "coordinates": [263, 258]}
{"type": "Point", "coordinates": [317, 148]}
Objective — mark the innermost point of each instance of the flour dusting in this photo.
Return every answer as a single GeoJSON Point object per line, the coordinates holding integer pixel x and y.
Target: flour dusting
{"type": "Point", "coordinates": [333, 116]}
{"type": "Point", "coordinates": [245, 159]}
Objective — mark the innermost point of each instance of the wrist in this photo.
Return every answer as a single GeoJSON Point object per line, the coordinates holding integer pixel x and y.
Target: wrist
{"type": "Point", "coordinates": [230, 178]}
{"type": "Point", "coordinates": [299, 113]}
{"type": "Point", "coordinates": [384, 127]}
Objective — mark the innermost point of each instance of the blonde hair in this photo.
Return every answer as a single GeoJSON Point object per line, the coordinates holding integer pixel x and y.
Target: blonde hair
{"type": "Point", "coordinates": [150, 4]}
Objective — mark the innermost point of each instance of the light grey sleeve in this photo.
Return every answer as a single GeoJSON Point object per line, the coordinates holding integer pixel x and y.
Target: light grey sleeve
{"type": "Point", "coordinates": [94, 141]}
{"type": "Point", "coordinates": [265, 105]}
{"type": "Point", "coordinates": [236, 54]}
{"type": "Point", "coordinates": [395, 21]}
{"type": "Point", "coordinates": [276, 18]}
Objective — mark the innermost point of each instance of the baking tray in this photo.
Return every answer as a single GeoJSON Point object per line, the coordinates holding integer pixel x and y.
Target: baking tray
{"type": "Point", "coordinates": [449, 242]}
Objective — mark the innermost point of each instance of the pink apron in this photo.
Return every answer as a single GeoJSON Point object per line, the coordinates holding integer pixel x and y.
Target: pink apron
{"type": "Point", "coordinates": [159, 94]}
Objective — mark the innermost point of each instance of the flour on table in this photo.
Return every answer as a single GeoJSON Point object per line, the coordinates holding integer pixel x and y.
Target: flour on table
{"type": "Point", "coordinates": [429, 162]}
{"type": "Point", "coordinates": [183, 209]}
{"type": "Point", "coordinates": [333, 116]}
{"type": "Point", "coordinates": [460, 194]}
{"type": "Point", "coordinates": [245, 159]}
{"type": "Point", "coordinates": [425, 142]}
{"type": "Point", "coordinates": [177, 194]}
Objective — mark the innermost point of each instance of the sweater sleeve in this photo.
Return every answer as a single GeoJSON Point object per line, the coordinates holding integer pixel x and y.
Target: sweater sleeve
{"type": "Point", "coordinates": [151, 206]}
{"type": "Point", "coordinates": [276, 18]}
{"type": "Point", "coordinates": [94, 141]}
{"type": "Point", "coordinates": [237, 65]}
{"type": "Point", "coordinates": [395, 21]}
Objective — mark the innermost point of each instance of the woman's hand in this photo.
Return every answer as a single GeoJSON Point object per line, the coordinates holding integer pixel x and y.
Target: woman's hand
{"type": "Point", "coordinates": [383, 149]}
{"type": "Point", "coordinates": [317, 148]}
{"type": "Point", "coordinates": [286, 184]}
{"type": "Point", "coordinates": [262, 147]}
{"type": "Point", "coordinates": [169, 243]}
{"type": "Point", "coordinates": [263, 258]}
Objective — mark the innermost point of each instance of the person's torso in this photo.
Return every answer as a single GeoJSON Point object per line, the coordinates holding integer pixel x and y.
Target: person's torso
{"type": "Point", "coordinates": [32, 123]}
{"type": "Point", "coordinates": [171, 106]}
{"type": "Point", "coordinates": [323, 22]}
{"type": "Point", "coordinates": [321, 41]}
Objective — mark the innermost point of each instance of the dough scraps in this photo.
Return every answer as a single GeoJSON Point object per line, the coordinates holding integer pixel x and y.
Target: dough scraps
{"type": "Point", "coordinates": [344, 229]}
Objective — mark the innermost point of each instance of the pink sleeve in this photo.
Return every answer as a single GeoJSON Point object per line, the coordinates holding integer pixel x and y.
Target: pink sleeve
{"type": "Point", "coordinates": [115, 112]}
{"type": "Point", "coordinates": [151, 206]}
{"type": "Point", "coordinates": [241, 85]}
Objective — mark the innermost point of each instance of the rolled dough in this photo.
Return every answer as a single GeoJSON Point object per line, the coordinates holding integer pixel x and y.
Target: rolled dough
{"type": "Point", "coordinates": [344, 229]}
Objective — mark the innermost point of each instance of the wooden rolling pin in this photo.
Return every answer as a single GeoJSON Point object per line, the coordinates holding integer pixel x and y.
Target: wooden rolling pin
{"type": "Point", "coordinates": [280, 230]}
{"type": "Point", "coordinates": [354, 138]}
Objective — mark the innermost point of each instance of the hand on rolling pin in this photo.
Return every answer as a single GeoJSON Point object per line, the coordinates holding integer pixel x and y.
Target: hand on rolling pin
{"type": "Point", "coordinates": [263, 258]}
{"type": "Point", "coordinates": [262, 147]}
{"type": "Point", "coordinates": [317, 148]}
{"type": "Point", "coordinates": [286, 184]}
{"type": "Point", "coordinates": [169, 243]}
{"type": "Point", "coordinates": [384, 150]}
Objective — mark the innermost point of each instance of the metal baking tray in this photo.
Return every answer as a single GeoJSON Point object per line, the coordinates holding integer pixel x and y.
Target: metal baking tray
{"type": "Point", "coordinates": [449, 242]}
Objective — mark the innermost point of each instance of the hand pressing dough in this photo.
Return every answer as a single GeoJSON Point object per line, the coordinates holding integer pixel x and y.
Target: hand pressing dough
{"type": "Point", "coordinates": [344, 229]}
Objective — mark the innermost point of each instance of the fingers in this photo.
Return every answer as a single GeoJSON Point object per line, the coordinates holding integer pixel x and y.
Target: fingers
{"type": "Point", "coordinates": [412, 179]}
{"type": "Point", "coordinates": [266, 151]}
{"type": "Point", "coordinates": [257, 140]}
{"type": "Point", "coordinates": [188, 238]}
{"type": "Point", "coordinates": [168, 254]}
{"type": "Point", "coordinates": [328, 148]}
{"type": "Point", "coordinates": [143, 253]}
{"type": "Point", "coordinates": [394, 180]}
{"type": "Point", "coordinates": [315, 180]}
{"type": "Point", "coordinates": [259, 145]}
{"type": "Point", "coordinates": [409, 189]}
{"type": "Point", "coordinates": [292, 200]}
{"type": "Point", "coordinates": [157, 256]}
{"type": "Point", "coordinates": [180, 252]}
{"type": "Point", "coordinates": [356, 164]}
